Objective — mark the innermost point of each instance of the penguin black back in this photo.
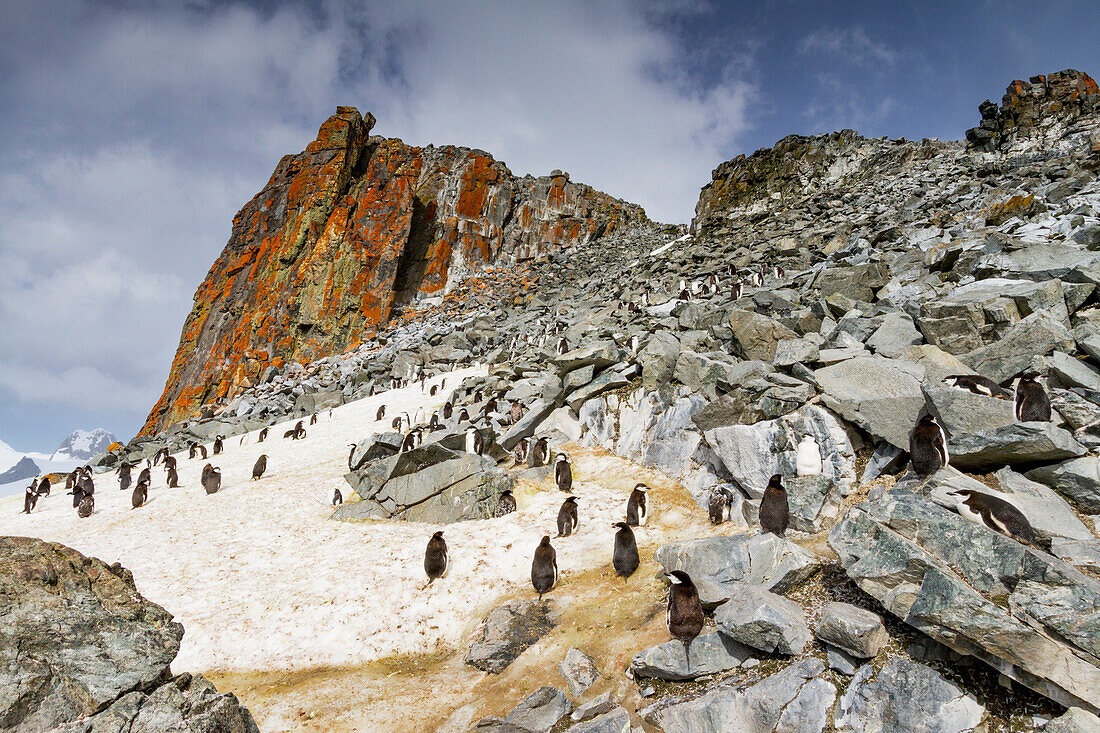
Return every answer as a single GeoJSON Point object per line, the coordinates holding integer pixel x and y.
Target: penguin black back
{"type": "Point", "coordinates": [211, 479]}
{"type": "Point", "coordinates": [86, 506]}
{"type": "Point", "coordinates": [1032, 403]}
{"type": "Point", "coordinates": [563, 473]}
{"type": "Point", "coordinates": [567, 517]}
{"type": "Point", "coordinates": [141, 493]}
{"type": "Point", "coordinates": [977, 384]}
{"type": "Point", "coordinates": [381, 412]}
{"type": "Point", "coordinates": [718, 505]}
{"type": "Point", "coordinates": [169, 463]}
{"type": "Point", "coordinates": [173, 479]}
{"type": "Point", "coordinates": [44, 486]}
{"type": "Point", "coordinates": [435, 557]}
{"type": "Point", "coordinates": [544, 567]}
{"type": "Point", "coordinates": [219, 445]}
{"type": "Point", "coordinates": [928, 447]}
{"type": "Point", "coordinates": [260, 467]}
{"type": "Point", "coordinates": [637, 506]}
{"type": "Point", "coordinates": [313, 419]}
{"type": "Point", "coordinates": [684, 612]}
{"type": "Point", "coordinates": [774, 511]}
{"type": "Point", "coordinates": [263, 435]}
{"type": "Point", "coordinates": [997, 514]}
{"type": "Point", "coordinates": [506, 504]}
{"type": "Point", "coordinates": [625, 560]}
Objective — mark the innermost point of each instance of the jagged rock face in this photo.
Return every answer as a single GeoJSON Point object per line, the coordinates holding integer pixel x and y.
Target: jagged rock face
{"type": "Point", "coordinates": [1030, 106]}
{"type": "Point", "coordinates": [347, 227]}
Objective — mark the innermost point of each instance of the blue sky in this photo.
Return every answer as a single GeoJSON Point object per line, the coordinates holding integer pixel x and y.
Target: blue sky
{"type": "Point", "coordinates": [132, 132]}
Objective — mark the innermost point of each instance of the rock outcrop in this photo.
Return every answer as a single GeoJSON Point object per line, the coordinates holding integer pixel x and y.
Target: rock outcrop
{"type": "Point", "coordinates": [82, 650]}
{"type": "Point", "coordinates": [350, 227]}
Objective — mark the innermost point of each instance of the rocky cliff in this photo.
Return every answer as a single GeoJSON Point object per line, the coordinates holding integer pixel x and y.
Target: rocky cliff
{"type": "Point", "coordinates": [347, 229]}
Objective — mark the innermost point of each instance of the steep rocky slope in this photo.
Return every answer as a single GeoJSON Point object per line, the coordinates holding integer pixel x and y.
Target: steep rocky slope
{"type": "Point", "coordinates": [350, 227]}
{"type": "Point", "coordinates": [900, 263]}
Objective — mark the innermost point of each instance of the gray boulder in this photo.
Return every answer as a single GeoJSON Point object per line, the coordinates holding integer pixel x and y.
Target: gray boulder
{"type": "Point", "coordinates": [579, 670]}
{"type": "Point", "coordinates": [756, 336]}
{"type": "Point", "coordinates": [718, 565]}
{"type": "Point", "coordinates": [1068, 372]}
{"type": "Point", "coordinates": [1078, 479]}
{"type": "Point", "coordinates": [1019, 443]}
{"type": "Point", "coordinates": [905, 696]}
{"type": "Point", "coordinates": [753, 453]}
{"type": "Point", "coordinates": [894, 336]}
{"type": "Point", "coordinates": [794, 699]}
{"type": "Point", "coordinates": [882, 396]}
{"type": "Point", "coordinates": [710, 653]}
{"type": "Point", "coordinates": [797, 351]}
{"type": "Point", "coordinates": [961, 411]}
{"type": "Point", "coordinates": [615, 721]}
{"type": "Point", "coordinates": [536, 413]}
{"type": "Point", "coordinates": [1026, 614]}
{"type": "Point", "coordinates": [599, 356]}
{"type": "Point", "coordinates": [852, 629]}
{"type": "Point", "coordinates": [1037, 335]}
{"type": "Point", "coordinates": [1074, 720]}
{"type": "Point", "coordinates": [538, 712]}
{"type": "Point", "coordinates": [79, 646]}
{"type": "Point", "coordinates": [763, 620]}
{"type": "Point", "coordinates": [507, 631]}
{"type": "Point", "coordinates": [598, 705]}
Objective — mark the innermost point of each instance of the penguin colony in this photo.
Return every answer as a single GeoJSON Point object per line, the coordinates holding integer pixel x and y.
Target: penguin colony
{"type": "Point", "coordinates": [928, 450]}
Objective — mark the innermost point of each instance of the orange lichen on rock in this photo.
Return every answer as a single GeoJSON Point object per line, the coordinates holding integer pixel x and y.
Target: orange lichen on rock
{"type": "Point", "coordinates": [346, 230]}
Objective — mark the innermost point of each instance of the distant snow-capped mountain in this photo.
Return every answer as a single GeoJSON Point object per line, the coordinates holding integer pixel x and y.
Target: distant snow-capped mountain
{"type": "Point", "coordinates": [83, 444]}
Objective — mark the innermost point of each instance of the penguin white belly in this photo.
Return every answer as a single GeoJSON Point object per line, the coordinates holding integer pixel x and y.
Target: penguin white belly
{"type": "Point", "coordinates": [967, 513]}
{"type": "Point", "coordinates": [469, 442]}
{"type": "Point", "coordinates": [808, 460]}
{"type": "Point", "coordinates": [643, 511]}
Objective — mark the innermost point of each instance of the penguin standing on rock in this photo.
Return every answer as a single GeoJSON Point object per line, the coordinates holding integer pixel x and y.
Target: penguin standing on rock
{"type": "Point", "coordinates": [928, 447]}
{"type": "Point", "coordinates": [563, 473]}
{"type": "Point", "coordinates": [520, 451]}
{"type": "Point", "coordinates": [808, 458]}
{"type": "Point", "coordinates": [475, 441]}
{"type": "Point", "coordinates": [544, 567]}
{"type": "Point", "coordinates": [448, 410]}
{"type": "Point", "coordinates": [506, 504]}
{"type": "Point", "coordinates": [567, 517]}
{"type": "Point", "coordinates": [774, 511]}
{"type": "Point", "coordinates": [995, 513]}
{"type": "Point", "coordinates": [976, 384]}
{"type": "Point", "coordinates": [260, 467]}
{"type": "Point", "coordinates": [719, 505]}
{"type": "Point", "coordinates": [435, 557]}
{"type": "Point", "coordinates": [626, 559]}
{"type": "Point", "coordinates": [637, 506]}
{"type": "Point", "coordinates": [684, 613]}
{"type": "Point", "coordinates": [540, 452]}
{"type": "Point", "coordinates": [1032, 403]}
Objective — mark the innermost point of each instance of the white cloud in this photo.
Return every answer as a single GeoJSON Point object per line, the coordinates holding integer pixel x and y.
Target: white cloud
{"type": "Point", "coordinates": [133, 134]}
{"type": "Point", "coordinates": [851, 45]}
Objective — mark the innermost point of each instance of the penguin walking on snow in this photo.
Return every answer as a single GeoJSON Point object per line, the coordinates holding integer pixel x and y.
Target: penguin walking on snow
{"type": "Point", "coordinates": [169, 462]}
{"type": "Point", "coordinates": [808, 458]}
{"type": "Point", "coordinates": [625, 560]}
{"type": "Point", "coordinates": [141, 493]}
{"type": "Point", "coordinates": [44, 487]}
{"type": "Point", "coordinates": [86, 506]}
{"type": "Point", "coordinates": [567, 517]}
{"type": "Point", "coordinates": [544, 567]}
{"type": "Point", "coordinates": [124, 478]}
{"type": "Point", "coordinates": [774, 510]}
{"type": "Point", "coordinates": [173, 479]}
{"type": "Point", "coordinates": [684, 613]}
{"type": "Point", "coordinates": [381, 412]}
{"type": "Point", "coordinates": [211, 479]}
{"type": "Point", "coordinates": [1032, 403]}
{"type": "Point", "coordinates": [337, 498]}
{"type": "Point", "coordinates": [260, 466]}
{"type": "Point", "coordinates": [263, 434]}
{"type": "Point", "coordinates": [928, 447]}
{"type": "Point", "coordinates": [563, 473]}
{"type": "Point", "coordinates": [637, 506]}
{"type": "Point", "coordinates": [506, 504]}
{"type": "Point", "coordinates": [995, 513]}
{"type": "Point", "coordinates": [219, 445]}
{"type": "Point", "coordinates": [435, 557]}
{"type": "Point", "coordinates": [30, 499]}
